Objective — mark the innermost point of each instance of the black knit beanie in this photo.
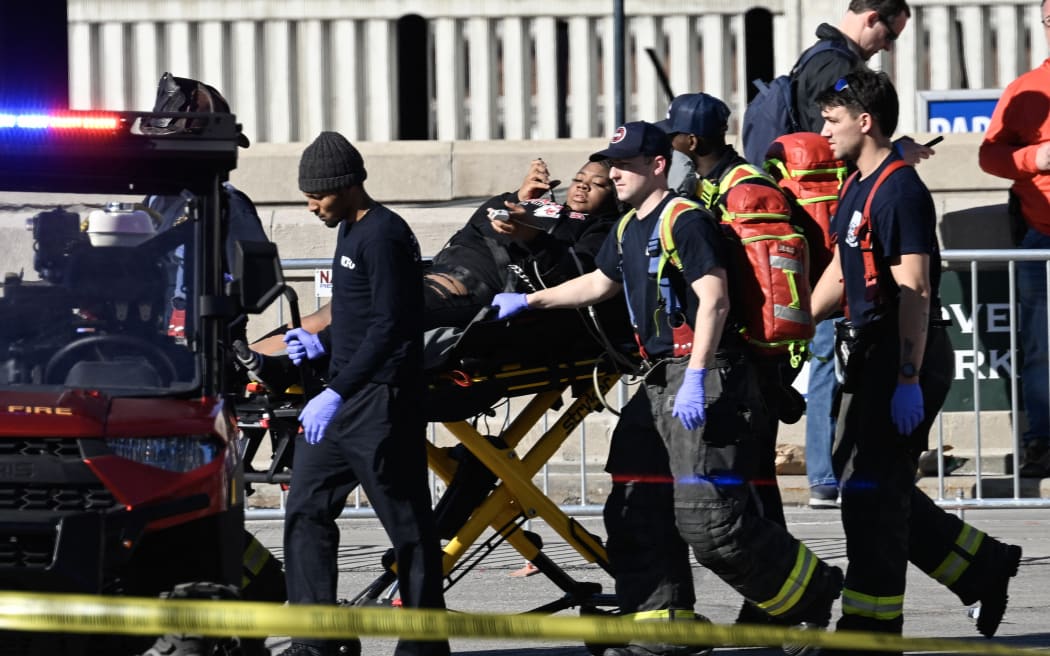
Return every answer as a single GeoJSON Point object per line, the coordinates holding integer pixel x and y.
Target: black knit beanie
{"type": "Point", "coordinates": [330, 163]}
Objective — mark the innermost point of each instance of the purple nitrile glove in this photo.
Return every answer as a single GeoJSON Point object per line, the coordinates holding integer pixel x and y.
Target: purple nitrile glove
{"type": "Point", "coordinates": [318, 412]}
{"type": "Point", "coordinates": [690, 400]}
{"type": "Point", "coordinates": [303, 345]}
{"type": "Point", "coordinates": [509, 304]}
{"type": "Point", "coordinates": [906, 408]}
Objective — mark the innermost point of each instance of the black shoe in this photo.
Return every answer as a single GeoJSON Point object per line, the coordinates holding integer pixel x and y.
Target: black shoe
{"type": "Point", "coordinates": [639, 650]}
{"type": "Point", "coordinates": [351, 647]}
{"type": "Point", "coordinates": [301, 649]}
{"type": "Point", "coordinates": [662, 649]}
{"type": "Point", "coordinates": [1036, 462]}
{"type": "Point", "coordinates": [994, 597]}
{"type": "Point", "coordinates": [818, 615]}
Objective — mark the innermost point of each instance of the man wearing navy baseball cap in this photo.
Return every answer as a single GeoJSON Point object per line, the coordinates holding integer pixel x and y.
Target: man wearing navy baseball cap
{"type": "Point", "coordinates": [699, 114]}
{"type": "Point", "coordinates": [680, 459]}
{"type": "Point", "coordinates": [634, 139]}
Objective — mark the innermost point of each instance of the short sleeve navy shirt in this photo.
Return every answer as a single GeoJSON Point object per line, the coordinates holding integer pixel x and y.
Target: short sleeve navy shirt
{"type": "Point", "coordinates": [904, 222]}
{"type": "Point", "coordinates": [699, 243]}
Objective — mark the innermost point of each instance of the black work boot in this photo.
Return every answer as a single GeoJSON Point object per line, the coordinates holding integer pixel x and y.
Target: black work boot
{"type": "Point", "coordinates": [817, 615]}
{"type": "Point", "coordinates": [1001, 566]}
{"type": "Point", "coordinates": [649, 649]}
{"type": "Point", "coordinates": [1036, 461]}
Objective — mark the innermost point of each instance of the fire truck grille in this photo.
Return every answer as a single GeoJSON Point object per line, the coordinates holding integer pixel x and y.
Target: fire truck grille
{"type": "Point", "coordinates": [53, 498]}
{"type": "Point", "coordinates": [44, 446]}
{"type": "Point", "coordinates": [33, 550]}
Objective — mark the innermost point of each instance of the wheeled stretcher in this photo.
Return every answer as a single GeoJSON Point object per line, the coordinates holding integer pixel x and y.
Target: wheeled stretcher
{"type": "Point", "coordinates": [489, 484]}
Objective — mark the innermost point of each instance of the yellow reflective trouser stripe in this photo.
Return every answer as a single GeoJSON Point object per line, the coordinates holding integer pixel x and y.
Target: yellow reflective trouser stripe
{"type": "Point", "coordinates": [663, 614]}
{"type": "Point", "coordinates": [255, 556]}
{"type": "Point", "coordinates": [879, 608]}
{"type": "Point", "coordinates": [794, 586]}
{"type": "Point", "coordinates": [954, 564]}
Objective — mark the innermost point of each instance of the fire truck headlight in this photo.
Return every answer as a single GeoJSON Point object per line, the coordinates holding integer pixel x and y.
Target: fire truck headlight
{"type": "Point", "coordinates": [177, 453]}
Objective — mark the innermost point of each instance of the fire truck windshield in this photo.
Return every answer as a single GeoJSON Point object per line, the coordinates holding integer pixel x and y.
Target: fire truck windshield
{"type": "Point", "coordinates": [99, 293]}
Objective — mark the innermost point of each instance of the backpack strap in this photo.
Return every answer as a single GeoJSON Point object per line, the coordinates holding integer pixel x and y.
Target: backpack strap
{"type": "Point", "coordinates": [823, 45]}
{"type": "Point", "coordinates": [661, 251]}
{"type": "Point", "coordinates": [866, 232]}
{"type": "Point", "coordinates": [710, 194]}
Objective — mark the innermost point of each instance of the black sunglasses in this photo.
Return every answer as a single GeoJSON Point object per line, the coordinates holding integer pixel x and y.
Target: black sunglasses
{"type": "Point", "coordinates": [891, 35]}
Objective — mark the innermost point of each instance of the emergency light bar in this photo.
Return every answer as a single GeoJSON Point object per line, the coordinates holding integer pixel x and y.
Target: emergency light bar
{"type": "Point", "coordinates": [83, 121]}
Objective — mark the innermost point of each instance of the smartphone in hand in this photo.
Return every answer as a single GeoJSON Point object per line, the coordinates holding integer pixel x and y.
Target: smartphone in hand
{"type": "Point", "coordinates": [933, 142]}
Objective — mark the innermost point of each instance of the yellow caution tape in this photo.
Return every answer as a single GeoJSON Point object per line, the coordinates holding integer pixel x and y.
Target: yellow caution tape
{"type": "Point", "coordinates": [148, 616]}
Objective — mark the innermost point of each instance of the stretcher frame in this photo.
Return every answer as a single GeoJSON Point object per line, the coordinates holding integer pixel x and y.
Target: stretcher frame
{"type": "Point", "coordinates": [516, 498]}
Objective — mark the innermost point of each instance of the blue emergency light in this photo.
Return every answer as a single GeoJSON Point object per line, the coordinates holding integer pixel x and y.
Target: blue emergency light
{"type": "Point", "coordinates": [79, 121]}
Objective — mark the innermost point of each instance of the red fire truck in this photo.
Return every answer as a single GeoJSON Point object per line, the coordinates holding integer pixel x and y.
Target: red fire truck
{"type": "Point", "coordinates": [120, 469]}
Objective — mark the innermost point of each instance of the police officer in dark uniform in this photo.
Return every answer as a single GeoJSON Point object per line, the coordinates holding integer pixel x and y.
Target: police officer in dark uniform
{"type": "Point", "coordinates": [898, 366]}
{"type": "Point", "coordinates": [700, 401]}
{"type": "Point", "coordinates": [364, 427]}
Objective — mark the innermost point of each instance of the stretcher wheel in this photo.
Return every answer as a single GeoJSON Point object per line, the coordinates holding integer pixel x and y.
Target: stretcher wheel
{"type": "Point", "coordinates": [595, 648]}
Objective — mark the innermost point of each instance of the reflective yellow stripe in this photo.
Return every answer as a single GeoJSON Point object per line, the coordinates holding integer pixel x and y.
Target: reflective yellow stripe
{"type": "Point", "coordinates": [794, 586]}
{"type": "Point", "coordinates": [969, 539]}
{"type": "Point", "coordinates": [663, 614]}
{"type": "Point", "coordinates": [255, 556]}
{"type": "Point", "coordinates": [954, 564]}
{"type": "Point", "coordinates": [879, 608]}
{"type": "Point", "coordinates": [950, 569]}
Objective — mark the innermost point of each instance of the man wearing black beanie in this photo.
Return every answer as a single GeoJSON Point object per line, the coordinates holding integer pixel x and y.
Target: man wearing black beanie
{"type": "Point", "coordinates": [365, 426]}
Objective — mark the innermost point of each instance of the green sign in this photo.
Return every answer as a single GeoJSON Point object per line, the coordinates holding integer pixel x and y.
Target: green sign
{"type": "Point", "coordinates": [989, 319]}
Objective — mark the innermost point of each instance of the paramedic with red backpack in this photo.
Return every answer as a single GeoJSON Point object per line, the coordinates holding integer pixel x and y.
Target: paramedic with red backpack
{"type": "Point", "coordinates": [867, 28]}
{"type": "Point", "coordinates": [699, 399]}
{"type": "Point", "coordinates": [898, 366]}
{"type": "Point", "coordinates": [697, 124]}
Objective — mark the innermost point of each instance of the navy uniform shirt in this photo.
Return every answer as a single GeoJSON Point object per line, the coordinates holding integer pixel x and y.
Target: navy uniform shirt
{"type": "Point", "coordinates": [377, 304]}
{"type": "Point", "coordinates": [700, 245]}
{"type": "Point", "coordinates": [904, 222]}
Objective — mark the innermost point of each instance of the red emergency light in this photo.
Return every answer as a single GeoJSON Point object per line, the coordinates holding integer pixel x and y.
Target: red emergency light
{"type": "Point", "coordinates": [79, 121]}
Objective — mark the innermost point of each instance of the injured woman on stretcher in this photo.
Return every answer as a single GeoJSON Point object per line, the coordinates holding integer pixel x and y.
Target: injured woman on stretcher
{"type": "Point", "coordinates": [516, 241]}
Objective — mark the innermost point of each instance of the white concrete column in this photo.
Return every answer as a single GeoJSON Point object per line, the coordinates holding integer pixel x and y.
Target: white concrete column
{"type": "Point", "coordinates": [583, 79]}
{"type": "Point", "coordinates": [448, 64]}
{"type": "Point", "coordinates": [381, 78]}
{"type": "Point", "coordinates": [545, 37]}
{"type": "Point", "coordinates": [277, 90]}
{"type": "Point", "coordinates": [314, 87]}
{"type": "Point", "coordinates": [211, 55]}
{"type": "Point", "coordinates": [737, 100]}
{"type": "Point", "coordinates": [716, 64]}
{"type": "Point", "coordinates": [938, 20]}
{"type": "Point", "coordinates": [146, 71]}
{"type": "Point", "coordinates": [517, 79]}
{"type": "Point", "coordinates": [346, 80]}
{"type": "Point", "coordinates": [1037, 34]}
{"type": "Point", "coordinates": [974, 37]}
{"type": "Point", "coordinates": [650, 101]}
{"type": "Point", "coordinates": [1007, 34]}
{"type": "Point", "coordinates": [81, 81]}
{"type": "Point", "coordinates": [482, 55]}
{"type": "Point", "coordinates": [243, 95]}
{"type": "Point", "coordinates": [608, 124]}
{"type": "Point", "coordinates": [907, 64]}
{"type": "Point", "coordinates": [177, 49]}
{"type": "Point", "coordinates": [112, 49]}
{"type": "Point", "coordinates": [682, 62]}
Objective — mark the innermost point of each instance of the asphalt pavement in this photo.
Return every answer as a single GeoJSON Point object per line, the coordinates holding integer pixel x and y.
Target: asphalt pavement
{"type": "Point", "coordinates": [930, 610]}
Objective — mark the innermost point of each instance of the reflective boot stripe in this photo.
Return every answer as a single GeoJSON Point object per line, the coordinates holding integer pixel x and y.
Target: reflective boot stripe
{"type": "Point", "coordinates": [879, 608]}
{"type": "Point", "coordinates": [954, 564]}
{"type": "Point", "coordinates": [255, 556]}
{"type": "Point", "coordinates": [662, 614]}
{"type": "Point", "coordinates": [794, 586]}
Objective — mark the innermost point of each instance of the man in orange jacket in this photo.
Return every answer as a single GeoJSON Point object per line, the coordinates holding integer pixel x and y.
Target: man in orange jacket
{"type": "Point", "coordinates": [1017, 146]}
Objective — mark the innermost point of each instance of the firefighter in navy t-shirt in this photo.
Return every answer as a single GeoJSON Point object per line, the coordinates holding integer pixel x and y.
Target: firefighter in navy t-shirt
{"type": "Point", "coordinates": [700, 402]}
{"type": "Point", "coordinates": [365, 426]}
{"type": "Point", "coordinates": [897, 375]}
